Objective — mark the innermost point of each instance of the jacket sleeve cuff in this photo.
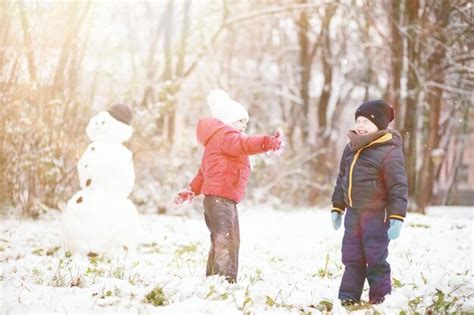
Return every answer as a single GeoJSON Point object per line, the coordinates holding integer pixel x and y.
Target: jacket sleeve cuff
{"type": "Point", "coordinates": [397, 217]}
{"type": "Point", "coordinates": [338, 210]}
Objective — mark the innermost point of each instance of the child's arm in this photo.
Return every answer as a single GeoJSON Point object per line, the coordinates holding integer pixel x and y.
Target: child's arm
{"type": "Point", "coordinates": [338, 203]}
{"type": "Point", "coordinates": [235, 144]}
{"type": "Point", "coordinates": [393, 170]}
{"type": "Point", "coordinates": [196, 183]}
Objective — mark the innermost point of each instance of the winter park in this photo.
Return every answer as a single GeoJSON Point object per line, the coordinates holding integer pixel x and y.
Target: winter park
{"type": "Point", "coordinates": [236, 157]}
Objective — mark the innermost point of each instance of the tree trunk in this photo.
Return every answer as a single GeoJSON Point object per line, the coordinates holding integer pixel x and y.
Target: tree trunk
{"type": "Point", "coordinates": [328, 73]}
{"type": "Point", "coordinates": [305, 71]}
{"type": "Point", "coordinates": [396, 62]}
{"type": "Point", "coordinates": [434, 100]}
{"type": "Point", "coordinates": [28, 42]}
{"type": "Point", "coordinates": [410, 127]}
{"type": "Point", "coordinates": [426, 175]}
{"type": "Point", "coordinates": [166, 117]}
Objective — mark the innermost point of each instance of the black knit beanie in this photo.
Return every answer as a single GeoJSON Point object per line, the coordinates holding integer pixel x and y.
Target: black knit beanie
{"type": "Point", "coordinates": [379, 112]}
{"type": "Point", "coordinates": [121, 113]}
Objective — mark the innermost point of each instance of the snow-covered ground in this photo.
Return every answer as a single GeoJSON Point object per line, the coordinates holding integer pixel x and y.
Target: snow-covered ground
{"type": "Point", "coordinates": [289, 263]}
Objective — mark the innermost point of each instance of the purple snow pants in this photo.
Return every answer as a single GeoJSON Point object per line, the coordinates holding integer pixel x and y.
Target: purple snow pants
{"type": "Point", "coordinates": [223, 223]}
{"type": "Point", "coordinates": [364, 255]}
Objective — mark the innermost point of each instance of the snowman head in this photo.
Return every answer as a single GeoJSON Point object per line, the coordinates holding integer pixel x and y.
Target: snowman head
{"type": "Point", "coordinates": [105, 128]}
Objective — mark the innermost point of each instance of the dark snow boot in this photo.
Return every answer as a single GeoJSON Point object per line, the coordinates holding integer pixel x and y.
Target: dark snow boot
{"type": "Point", "coordinates": [377, 300]}
{"type": "Point", "coordinates": [349, 303]}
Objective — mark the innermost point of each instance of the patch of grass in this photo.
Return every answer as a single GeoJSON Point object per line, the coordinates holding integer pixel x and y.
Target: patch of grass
{"type": "Point", "coordinates": [396, 283]}
{"type": "Point", "coordinates": [246, 302]}
{"type": "Point", "coordinates": [134, 279]}
{"type": "Point", "coordinates": [258, 277]}
{"type": "Point", "coordinates": [186, 249]}
{"type": "Point", "coordinates": [38, 252]}
{"type": "Point", "coordinates": [212, 290]}
{"type": "Point", "coordinates": [324, 272]}
{"type": "Point", "coordinates": [223, 296]}
{"type": "Point", "coordinates": [442, 303]}
{"type": "Point", "coordinates": [425, 281]}
{"type": "Point", "coordinates": [95, 271]}
{"type": "Point", "coordinates": [150, 248]}
{"type": "Point", "coordinates": [37, 276]}
{"type": "Point", "coordinates": [419, 225]}
{"type": "Point", "coordinates": [413, 303]}
{"type": "Point", "coordinates": [95, 259]}
{"type": "Point", "coordinates": [51, 251]}
{"type": "Point", "coordinates": [359, 306]}
{"type": "Point", "coordinates": [156, 297]}
{"type": "Point", "coordinates": [269, 301]}
{"type": "Point", "coordinates": [276, 259]}
{"type": "Point", "coordinates": [118, 272]}
{"type": "Point", "coordinates": [325, 306]}
{"type": "Point", "coordinates": [66, 275]}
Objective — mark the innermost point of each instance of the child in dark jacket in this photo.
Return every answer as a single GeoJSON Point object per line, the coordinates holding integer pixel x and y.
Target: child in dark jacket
{"type": "Point", "coordinates": [222, 177]}
{"type": "Point", "coordinates": [372, 186]}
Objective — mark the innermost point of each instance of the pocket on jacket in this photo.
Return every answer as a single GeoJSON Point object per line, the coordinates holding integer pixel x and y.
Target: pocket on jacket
{"type": "Point", "coordinates": [237, 181]}
{"type": "Point", "coordinates": [377, 190]}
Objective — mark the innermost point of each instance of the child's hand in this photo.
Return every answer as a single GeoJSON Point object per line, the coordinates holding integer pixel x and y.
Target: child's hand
{"type": "Point", "coordinates": [336, 219]}
{"type": "Point", "coordinates": [184, 196]}
{"type": "Point", "coordinates": [394, 229]}
{"type": "Point", "coordinates": [275, 143]}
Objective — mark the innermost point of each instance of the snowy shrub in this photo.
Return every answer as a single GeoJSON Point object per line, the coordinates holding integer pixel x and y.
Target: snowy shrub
{"type": "Point", "coordinates": [39, 145]}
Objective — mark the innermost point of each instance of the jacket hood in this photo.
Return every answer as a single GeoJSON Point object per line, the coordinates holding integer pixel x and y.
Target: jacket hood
{"type": "Point", "coordinates": [207, 127]}
{"type": "Point", "coordinates": [397, 138]}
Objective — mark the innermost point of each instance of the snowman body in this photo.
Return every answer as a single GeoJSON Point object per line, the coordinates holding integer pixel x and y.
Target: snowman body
{"type": "Point", "coordinates": [107, 167]}
{"type": "Point", "coordinates": [100, 218]}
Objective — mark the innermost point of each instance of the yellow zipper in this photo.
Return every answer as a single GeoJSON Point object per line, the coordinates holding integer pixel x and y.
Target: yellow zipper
{"type": "Point", "coordinates": [385, 137]}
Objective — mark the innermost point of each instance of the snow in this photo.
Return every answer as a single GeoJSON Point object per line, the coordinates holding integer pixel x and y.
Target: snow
{"type": "Point", "coordinates": [289, 264]}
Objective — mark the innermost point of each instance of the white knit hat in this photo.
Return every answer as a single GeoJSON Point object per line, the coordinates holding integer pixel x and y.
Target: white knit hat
{"type": "Point", "coordinates": [224, 108]}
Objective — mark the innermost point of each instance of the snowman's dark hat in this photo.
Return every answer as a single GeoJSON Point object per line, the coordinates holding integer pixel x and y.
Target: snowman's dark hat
{"type": "Point", "coordinates": [122, 113]}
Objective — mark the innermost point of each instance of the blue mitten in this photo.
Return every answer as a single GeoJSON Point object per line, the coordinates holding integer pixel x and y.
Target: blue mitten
{"type": "Point", "coordinates": [336, 219]}
{"type": "Point", "coordinates": [394, 229]}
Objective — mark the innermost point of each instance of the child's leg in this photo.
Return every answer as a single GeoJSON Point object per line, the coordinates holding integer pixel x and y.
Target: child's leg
{"type": "Point", "coordinates": [375, 242]}
{"type": "Point", "coordinates": [223, 222]}
{"type": "Point", "coordinates": [210, 258]}
{"type": "Point", "coordinates": [353, 258]}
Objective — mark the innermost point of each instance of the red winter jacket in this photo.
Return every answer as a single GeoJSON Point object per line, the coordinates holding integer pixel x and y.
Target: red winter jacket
{"type": "Point", "coordinates": [225, 165]}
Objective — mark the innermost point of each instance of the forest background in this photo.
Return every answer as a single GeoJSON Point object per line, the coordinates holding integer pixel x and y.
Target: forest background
{"type": "Point", "coordinates": [303, 66]}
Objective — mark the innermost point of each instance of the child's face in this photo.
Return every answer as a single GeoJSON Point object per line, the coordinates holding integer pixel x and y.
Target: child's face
{"type": "Point", "coordinates": [364, 126]}
{"type": "Point", "coordinates": [240, 125]}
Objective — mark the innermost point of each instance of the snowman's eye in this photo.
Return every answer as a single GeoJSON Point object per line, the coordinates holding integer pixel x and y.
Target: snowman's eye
{"type": "Point", "coordinates": [79, 200]}
{"type": "Point", "coordinates": [103, 122]}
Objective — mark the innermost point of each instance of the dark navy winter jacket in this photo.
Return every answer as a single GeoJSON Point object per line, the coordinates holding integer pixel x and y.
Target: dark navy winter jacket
{"type": "Point", "coordinates": [373, 178]}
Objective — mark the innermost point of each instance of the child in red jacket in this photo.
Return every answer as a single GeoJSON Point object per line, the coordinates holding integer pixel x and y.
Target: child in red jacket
{"type": "Point", "coordinates": [222, 177]}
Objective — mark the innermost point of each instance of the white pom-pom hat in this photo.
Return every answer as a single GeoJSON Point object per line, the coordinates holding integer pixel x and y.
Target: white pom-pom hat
{"type": "Point", "coordinates": [224, 108]}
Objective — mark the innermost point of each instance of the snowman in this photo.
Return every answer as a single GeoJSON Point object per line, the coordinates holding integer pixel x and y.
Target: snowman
{"type": "Point", "coordinates": [100, 218]}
